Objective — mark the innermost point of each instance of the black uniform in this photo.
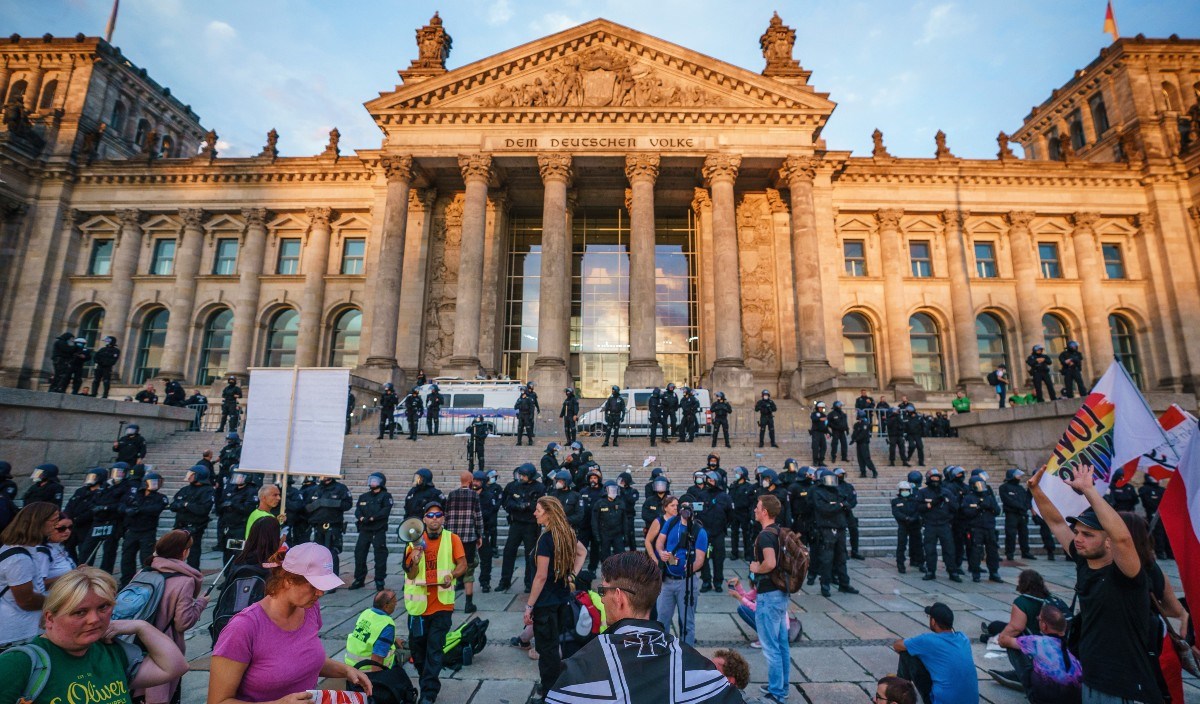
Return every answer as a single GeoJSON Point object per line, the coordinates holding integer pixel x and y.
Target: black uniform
{"type": "Point", "coordinates": [61, 355]}
{"type": "Point", "coordinates": [608, 525]}
{"type": "Point", "coordinates": [717, 515]}
{"type": "Point", "coordinates": [477, 434]}
{"type": "Point", "coordinates": [830, 524]}
{"type": "Point", "coordinates": [1039, 374]}
{"type": "Point", "coordinates": [173, 394]}
{"type": "Point", "coordinates": [783, 520]}
{"type": "Point", "coordinates": [914, 433]}
{"type": "Point", "coordinates": [959, 526]}
{"type": "Point", "coordinates": [744, 495]}
{"type": "Point", "coordinates": [689, 406]}
{"type": "Point", "coordinates": [670, 403]}
{"type": "Point", "coordinates": [1123, 498]}
{"type": "Point", "coordinates": [907, 512]}
{"type": "Point", "coordinates": [765, 408]}
{"type": "Point", "coordinates": [1014, 501]}
{"type": "Point", "coordinates": [525, 416]}
{"type": "Point", "coordinates": [1151, 496]}
{"type": "Point", "coordinates": [591, 495]}
{"type": "Point", "coordinates": [349, 408]}
{"type": "Point", "coordinates": [78, 361]}
{"type": "Point", "coordinates": [230, 412]}
{"type": "Point", "coordinates": [130, 449]}
{"type": "Point", "coordinates": [1071, 361]}
{"type": "Point", "coordinates": [140, 511]}
{"type": "Point", "coordinates": [860, 437]}
{"type": "Point", "coordinates": [572, 505]}
{"type": "Point", "coordinates": [414, 501]}
{"type": "Point", "coordinates": [850, 501]}
{"type": "Point", "coordinates": [433, 412]}
{"type": "Point", "coordinates": [327, 515]}
{"type": "Point", "coordinates": [192, 505]}
{"type": "Point", "coordinates": [107, 524]}
{"type": "Point", "coordinates": [895, 438]}
{"type": "Point", "coordinates": [302, 526]}
{"type": "Point", "coordinates": [614, 413]}
{"type": "Point", "coordinates": [388, 401]}
{"type": "Point", "coordinates": [657, 417]}
{"type": "Point", "coordinates": [652, 508]}
{"type": "Point", "coordinates": [47, 490]}
{"type": "Point", "coordinates": [81, 507]}
{"type": "Point", "coordinates": [938, 506]}
{"type": "Point", "coordinates": [549, 466]}
{"type": "Point", "coordinates": [818, 429]}
{"type": "Point", "coordinates": [569, 412]}
{"type": "Point", "coordinates": [839, 428]}
{"type": "Point", "coordinates": [981, 509]}
{"type": "Point", "coordinates": [801, 505]}
{"type": "Point", "coordinates": [491, 497]}
{"type": "Point", "coordinates": [413, 409]}
{"type": "Point", "coordinates": [371, 514]}
{"type": "Point", "coordinates": [630, 496]}
{"type": "Point", "coordinates": [230, 456]}
{"type": "Point", "coordinates": [520, 498]}
{"type": "Point", "coordinates": [720, 411]}
{"type": "Point", "coordinates": [105, 358]}
{"type": "Point", "coordinates": [233, 510]}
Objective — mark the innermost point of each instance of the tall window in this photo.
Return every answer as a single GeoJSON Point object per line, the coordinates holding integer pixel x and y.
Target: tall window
{"type": "Point", "coordinates": [1055, 336]}
{"type": "Point", "coordinates": [926, 352]}
{"type": "Point", "coordinates": [48, 92]}
{"type": "Point", "coordinates": [993, 347]}
{"type": "Point", "coordinates": [281, 339]}
{"type": "Point", "coordinates": [1053, 148]}
{"type": "Point", "coordinates": [164, 258]}
{"type": "Point", "coordinates": [17, 92]}
{"type": "Point", "coordinates": [985, 260]}
{"type": "Point", "coordinates": [1048, 257]}
{"type": "Point", "coordinates": [225, 261]}
{"type": "Point", "coordinates": [118, 118]}
{"type": "Point", "coordinates": [343, 349]}
{"type": "Point", "coordinates": [150, 345]}
{"type": "Point", "coordinates": [354, 252]}
{"type": "Point", "coordinates": [1078, 139]}
{"type": "Point", "coordinates": [858, 344]}
{"type": "Point", "coordinates": [856, 257]}
{"type": "Point", "coordinates": [1124, 341]}
{"type": "Point", "coordinates": [1099, 114]}
{"type": "Point", "coordinates": [922, 261]}
{"type": "Point", "coordinates": [100, 263]}
{"type": "Point", "coordinates": [168, 147]}
{"type": "Point", "coordinates": [289, 256]}
{"type": "Point", "coordinates": [90, 326]}
{"type": "Point", "coordinates": [1114, 263]}
{"type": "Point", "coordinates": [143, 130]}
{"type": "Point", "coordinates": [214, 348]}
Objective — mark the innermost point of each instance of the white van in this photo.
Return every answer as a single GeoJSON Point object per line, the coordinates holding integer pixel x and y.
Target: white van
{"type": "Point", "coordinates": [463, 399]}
{"type": "Point", "coordinates": [637, 414]}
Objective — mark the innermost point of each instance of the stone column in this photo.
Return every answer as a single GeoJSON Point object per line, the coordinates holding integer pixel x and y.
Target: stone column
{"type": "Point", "coordinates": [729, 373]}
{"type": "Point", "coordinates": [477, 173]}
{"type": "Point", "coordinates": [312, 307]}
{"type": "Point", "coordinates": [554, 300]}
{"type": "Point", "coordinates": [5, 75]}
{"type": "Point", "coordinates": [245, 312]}
{"type": "Point", "coordinates": [1091, 290]}
{"type": "Point", "coordinates": [1026, 273]}
{"type": "Point", "coordinates": [798, 173]}
{"type": "Point", "coordinates": [895, 264]}
{"type": "Point", "coordinates": [1168, 334]}
{"type": "Point", "coordinates": [33, 87]}
{"type": "Point", "coordinates": [183, 297]}
{"type": "Point", "coordinates": [643, 370]}
{"type": "Point", "coordinates": [385, 297]}
{"type": "Point", "coordinates": [962, 307]}
{"type": "Point", "coordinates": [124, 266]}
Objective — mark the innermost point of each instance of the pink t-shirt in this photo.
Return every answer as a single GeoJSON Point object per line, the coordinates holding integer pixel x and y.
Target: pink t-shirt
{"type": "Point", "coordinates": [279, 662]}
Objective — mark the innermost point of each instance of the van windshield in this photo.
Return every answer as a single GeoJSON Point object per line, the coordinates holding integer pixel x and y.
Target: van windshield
{"type": "Point", "coordinates": [641, 399]}
{"type": "Point", "coordinates": [466, 401]}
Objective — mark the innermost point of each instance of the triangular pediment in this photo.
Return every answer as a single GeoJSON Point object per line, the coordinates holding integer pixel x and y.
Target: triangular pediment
{"type": "Point", "coordinates": [600, 68]}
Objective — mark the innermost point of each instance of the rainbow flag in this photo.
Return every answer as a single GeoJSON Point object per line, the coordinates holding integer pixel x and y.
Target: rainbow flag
{"type": "Point", "coordinates": [1088, 438]}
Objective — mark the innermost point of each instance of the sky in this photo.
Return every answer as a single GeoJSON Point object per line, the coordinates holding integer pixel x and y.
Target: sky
{"type": "Point", "coordinates": [968, 67]}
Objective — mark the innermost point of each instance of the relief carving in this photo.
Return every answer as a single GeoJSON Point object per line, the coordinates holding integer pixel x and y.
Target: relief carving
{"type": "Point", "coordinates": [445, 243]}
{"type": "Point", "coordinates": [756, 259]}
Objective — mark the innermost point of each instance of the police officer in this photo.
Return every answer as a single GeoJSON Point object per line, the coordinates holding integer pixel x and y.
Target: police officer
{"type": "Point", "coordinates": [433, 410]}
{"type": "Point", "coordinates": [130, 447]}
{"type": "Point", "coordinates": [79, 360]}
{"type": "Point", "coordinates": [608, 521]}
{"type": "Point", "coordinates": [520, 498]}
{"type": "Point", "coordinates": [790, 473]}
{"type": "Point", "coordinates": [839, 428]}
{"type": "Point", "coordinates": [491, 496]}
{"type": "Point", "coordinates": [529, 389]}
{"type": "Point", "coordinates": [769, 484]}
{"type": "Point", "coordinates": [413, 409]}
{"type": "Point", "coordinates": [525, 415]}
{"type": "Point", "coordinates": [173, 393]}
{"type": "Point", "coordinates": [81, 508]}
{"type": "Point", "coordinates": [864, 402]}
{"type": "Point", "coordinates": [229, 457]}
{"type": "Point", "coordinates": [766, 408]}
{"type": "Point", "coordinates": [199, 403]}
{"type": "Point", "coordinates": [563, 490]}
{"type": "Point", "coordinates": [937, 505]}
{"type": "Point", "coordinates": [720, 412]}
{"type": "Point", "coordinates": [421, 492]}
{"type": "Point", "coordinates": [192, 505]}
{"type": "Point", "coordinates": [8, 487]}
{"type": "Point", "coordinates": [550, 464]}
{"type": "Point", "coordinates": [230, 413]}
{"type": "Point", "coordinates": [800, 502]}
{"type": "Point", "coordinates": [105, 359]}
{"type": "Point", "coordinates": [1151, 493]}
{"type": "Point", "coordinates": [577, 462]}
{"type": "Point", "coordinates": [591, 494]}
{"type": "Point", "coordinates": [477, 434]}
{"type": "Point", "coordinates": [906, 511]}
{"type": "Point", "coordinates": [956, 482]}
{"type": "Point", "coordinates": [614, 413]}
{"type": "Point", "coordinates": [656, 491]}
{"type": "Point", "coordinates": [658, 419]}
{"type": "Point", "coordinates": [45, 486]}
{"type": "Point", "coordinates": [301, 525]}
{"type": "Point", "coordinates": [860, 437]}
{"type": "Point", "coordinates": [327, 514]}
{"type": "Point", "coordinates": [238, 501]}
{"type": "Point", "coordinates": [107, 521]}
{"type": "Point", "coordinates": [569, 412]}
{"type": "Point", "coordinates": [689, 406]}
{"type": "Point", "coordinates": [895, 437]}
{"type": "Point", "coordinates": [829, 516]}
{"type": "Point", "coordinates": [388, 401]}
{"type": "Point", "coordinates": [850, 500]}
{"type": "Point", "coordinates": [1071, 362]}
{"type": "Point", "coordinates": [1123, 497]}
{"type": "Point", "coordinates": [630, 496]}
{"type": "Point", "coordinates": [717, 515]}
{"type": "Point", "coordinates": [349, 408]}
{"type": "Point", "coordinates": [371, 515]}
{"type": "Point", "coordinates": [980, 508]}
{"type": "Point", "coordinates": [60, 356]}
{"type": "Point", "coordinates": [670, 407]}
{"type": "Point", "coordinates": [696, 495]}
{"type": "Point", "coordinates": [914, 435]}
{"type": "Point", "coordinates": [818, 431]}
{"type": "Point", "coordinates": [1039, 372]}
{"type": "Point", "coordinates": [1014, 501]}
{"type": "Point", "coordinates": [744, 494]}
{"type": "Point", "coordinates": [141, 511]}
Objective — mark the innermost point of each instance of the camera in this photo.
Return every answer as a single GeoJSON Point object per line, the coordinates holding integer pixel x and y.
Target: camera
{"type": "Point", "coordinates": [685, 512]}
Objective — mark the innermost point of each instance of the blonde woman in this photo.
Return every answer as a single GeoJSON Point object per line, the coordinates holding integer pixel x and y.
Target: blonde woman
{"type": "Point", "coordinates": [79, 645]}
{"type": "Point", "coordinates": [548, 609]}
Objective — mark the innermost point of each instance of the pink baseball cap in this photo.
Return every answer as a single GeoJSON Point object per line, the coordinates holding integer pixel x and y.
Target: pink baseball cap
{"type": "Point", "coordinates": [313, 562]}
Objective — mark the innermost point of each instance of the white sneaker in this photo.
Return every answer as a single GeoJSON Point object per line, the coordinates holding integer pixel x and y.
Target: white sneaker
{"type": "Point", "coordinates": [756, 644]}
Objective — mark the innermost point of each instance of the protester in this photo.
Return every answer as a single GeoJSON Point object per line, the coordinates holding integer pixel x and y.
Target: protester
{"type": "Point", "coordinates": [80, 648]}
{"type": "Point", "coordinates": [263, 541]}
{"type": "Point", "coordinates": [939, 663]}
{"type": "Point", "coordinates": [181, 605]}
{"type": "Point", "coordinates": [374, 634]}
{"type": "Point", "coordinates": [895, 690]}
{"type": "Point", "coordinates": [21, 572]}
{"type": "Point", "coordinates": [431, 565]}
{"type": "Point", "coordinates": [57, 559]}
{"type": "Point", "coordinates": [748, 603]}
{"type": "Point", "coordinates": [548, 608]}
{"type": "Point", "coordinates": [464, 518]}
{"type": "Point", "coordinates": [636, 658]}
{"type": "Point", "coordinates": [272, 649]}
{"type": "Point", "coordinates": [1114, 595]}
{"type": "Point", "coordinates": [1054, 674]}
{"type": "Point", "coordinates": [770, 614]}
{"type": "Point", "coordinates": [670, 509]}
{"type": "Point", "coordinates": [735, 668]}
{"type": "Point", "coordinates": [681, 545]}
{"type": "Point", "coordinates": [1165, 604]}
{"type": "Point", "coordinates": [1032, 595]}
{"type": "Point", "coordinates": [269, 497]}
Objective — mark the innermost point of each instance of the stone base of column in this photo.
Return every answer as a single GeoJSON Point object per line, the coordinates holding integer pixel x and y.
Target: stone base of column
{"type": "Point", "coordinates": [462, 367]}
{"type": "Point", "coordinates": [381, 370]}
{"type": "Point", "coordinates": [170, 374]}
{"type": "Point", "coordinates": [735, 379]}
{"type": "Point", "coordinates": [20, 377]}
{"type": "Point", "coordinates": [905, 386]}
{"type": "Point", "coordinates": [808, 375]}
{"type": "Point", "coordinates": [978, 390]}
{"type": "Point", "coordinates": [643, 374]}
{"type": "Point", "coordinates": [550, 376]}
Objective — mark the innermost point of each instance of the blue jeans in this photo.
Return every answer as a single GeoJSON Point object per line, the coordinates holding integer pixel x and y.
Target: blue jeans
{"type": "Point", "coordinates": [770, 620]}
{"type": "Point", "coordinates": [671, 602]}
{"type": "Point", "coordinates": [747, 615]}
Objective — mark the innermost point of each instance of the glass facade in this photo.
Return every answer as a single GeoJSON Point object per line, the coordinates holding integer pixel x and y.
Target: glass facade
{"type": "Point", "coordinates": [214, 351]}
{"type": "Point", "coordinates": [281, 339]}
{"type": "Point", "coordinates": [858, 344]}
{"type": "Point", "coordinates": [926, 345]}
{"type": "Point", "coordinates": [150, 345]}
{"type": "Point", "coordinates": [993, 346]}
{"type": "Point", "coordinates": [1125, 347]}
{"type": "Point", "coordinates": [343, 347]}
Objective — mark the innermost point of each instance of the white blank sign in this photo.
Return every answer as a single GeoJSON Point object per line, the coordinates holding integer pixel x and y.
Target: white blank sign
{"type": "Point", "coordinates": [316, 416]}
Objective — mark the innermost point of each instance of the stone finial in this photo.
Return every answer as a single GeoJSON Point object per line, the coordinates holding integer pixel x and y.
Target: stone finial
{"type": "Point", "coordinates": [1006, 152]}
{"type": "Point", "coordinates": [1066, 148]}
{"type": "Point", "coordinates": [555, 167]}
{"type": "Point", "coordinates": [1130, 148]}
{"type": "Point", "coordinates": [91, 142]}
{"type": "Point", "coordinates": [270, 150]}
{"type": "Point", "coordinates": [879, 151]}
{"type": "Point", "coordinates": [209, 150]}
{"type": "Point", "coordinates": [777, 44]}
{"type": "Point", "coordinates": [775, 201]}
{"type": "Point", "coordinates": [639, 166]}
{"type": "Point", "coordinates": [149, 147]}
{"type": "Point", "coordinates": [332, 151]}
{"type": "Point", "coordinates": [942, 151]}
{"type": "Point", "coordinates": [433, 46]}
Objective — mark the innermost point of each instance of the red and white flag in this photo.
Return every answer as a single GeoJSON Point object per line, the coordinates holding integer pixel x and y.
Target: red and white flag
{"type": "Point", "coordinates": [1180, 516]}
{"type": "Point", "coordinates": [1178, 427]}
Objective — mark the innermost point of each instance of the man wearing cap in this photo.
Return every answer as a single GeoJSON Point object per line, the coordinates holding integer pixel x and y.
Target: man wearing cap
{"type": "Point", "coordinates": [939, 663]}
{"type": "Point", "coordinates": [1114, 595]}
{"type": "Point", "coordinates": [569, 412]}
{"type": "Point", "coordinates": [371, 516]}
{"type": "Point", "coordinates": [431, 565]}
{"type": "Point", "coordinates": [141, 511]}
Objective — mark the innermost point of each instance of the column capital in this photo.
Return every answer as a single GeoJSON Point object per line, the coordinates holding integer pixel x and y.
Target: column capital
{"type": "Point", "coordinates": [319, 216]}
{"type": "Point", "coordinates": [554, 167]}
{"type": "Point", "coordinates": [889, 218]}
{"type": "Point", "coordinates": [192, 217]}
{"type": "Point", "coordinates": [72, 218]}
{"type": "Point", "coordinates": [475, 166]}
{"type": "Point", "coordinates": [799, 168]}
{"type": "Point", "coordinates": [952, 217]}
{"type": "Point", "coordinates": [420, 200]}
{"type": "Point", "coordinates": [1084, 222]}
{"type": "Point", "coordinates": [629, 200]}
{"type": "Point", "coordinates": [397, 168]}
{"type": "Point", "coordinates": [1146, 222]}
{"type": "Point", "coordinates": [641, 166]}
{"type": "Point", "coordinates": [255, 217]}
{"type": "Point", "coordinates": [1020, 219]}
{"type": "Point", "coordinates": [701, 201]}
{"type": "Point", "coordinates": [130, 217]}
{"type": "Point", "coordinates": [720, 167]}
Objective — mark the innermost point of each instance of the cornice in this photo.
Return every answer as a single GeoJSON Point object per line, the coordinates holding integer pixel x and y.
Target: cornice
{"type": "Point", "coordinates": [988, 173]}
{"type": "Point", "coordinates": [587, 116]}
{"type": "Point", "coordinates": [250, 170]}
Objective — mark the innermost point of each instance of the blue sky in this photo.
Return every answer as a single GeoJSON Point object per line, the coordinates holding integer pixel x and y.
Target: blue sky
{"type": "Point", "coordinates": [968, 67]}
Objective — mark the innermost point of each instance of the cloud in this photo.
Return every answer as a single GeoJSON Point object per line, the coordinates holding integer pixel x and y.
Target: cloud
{"type": "Point", "coordinates": [218, 31]}
{"type": "Point", "coordinates": [943, 20]}
{"type": "Point", "coordinates": [552, 22]}
{"type": "Point", "coordinates": [500, 13]}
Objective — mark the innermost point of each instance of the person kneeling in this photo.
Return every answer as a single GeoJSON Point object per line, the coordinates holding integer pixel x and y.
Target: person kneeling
{"type": "Point", "coordinates": [1056, 675]}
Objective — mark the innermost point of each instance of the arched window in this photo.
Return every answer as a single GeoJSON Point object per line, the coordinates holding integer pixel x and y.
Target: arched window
{"type": "Point", "coordinates": [858, 344]}
{"type": "Point", "coordinates": [1055, 335]}
{"type": "Point", "coordinates": [143, 129]}
{"type": "Point", "coordinates": [118, 118]}
{"type": "Point", "coordinates": [168, 147]}
{"type": "Point", "coordinates": [347, 329]}
{"type": "Point", "coordinates": [17, 92]}
{"type": "Point", "coordinates": [214, 348]}
{"type": "Point", "coordinates": [281, 339]}
{"type": "Point", "coordinates": [48, 92]}
{"type": "Point", "coordinates": [150, 345]}
{"type": "Point", "coordinates": [993, 346]}
{"type": "Point", "coordinates": [926, 352]}
{"type": "Point", "coordinates": [1170, 96]}
{"type": "Point", "coordinates": [1124, 341]}
{"type": "Point", "coordinates": [89, 329]}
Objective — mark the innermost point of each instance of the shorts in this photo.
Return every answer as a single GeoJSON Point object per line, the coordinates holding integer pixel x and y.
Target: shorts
{"type": "Point", "coordinates": [472, 562]}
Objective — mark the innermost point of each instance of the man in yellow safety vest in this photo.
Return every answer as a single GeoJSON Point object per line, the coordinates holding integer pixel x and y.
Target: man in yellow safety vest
{"type": "Point", "coordinates": [431, 564]}
{"type": "Point", "coordinates": [374, 634]}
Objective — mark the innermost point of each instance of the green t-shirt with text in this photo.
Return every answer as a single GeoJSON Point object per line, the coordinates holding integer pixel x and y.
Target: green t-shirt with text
{"type": "Point", "coordinates": [97, 677]}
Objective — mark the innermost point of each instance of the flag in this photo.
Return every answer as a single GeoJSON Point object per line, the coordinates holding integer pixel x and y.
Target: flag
{"type": "Point", "coordinates": [112, 22]}
{"type": "Point", "coordinates": [1179, 512]}
{"type": "Point", "coordinates": [1110, 22]}
{"type": "Point", "coordinates": [1178, 427]}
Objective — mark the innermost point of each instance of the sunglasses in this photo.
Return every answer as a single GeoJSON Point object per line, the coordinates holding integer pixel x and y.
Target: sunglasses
{"type": "Point", "coordinates": [62, 529]}
{"type": "Point", "coordinates": [606, 589]}
{"type": "Point", "coordinates": [434, 514]}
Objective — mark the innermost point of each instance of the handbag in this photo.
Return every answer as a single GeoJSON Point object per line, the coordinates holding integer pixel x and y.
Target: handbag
{"type": "Point", "coordinates": [390, 685]}
{"type": "Point", "coordinates": [1186, 653]}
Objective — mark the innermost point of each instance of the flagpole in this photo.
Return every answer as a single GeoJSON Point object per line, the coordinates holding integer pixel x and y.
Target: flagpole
{"type": "Point", "coordinates": [112, 22]}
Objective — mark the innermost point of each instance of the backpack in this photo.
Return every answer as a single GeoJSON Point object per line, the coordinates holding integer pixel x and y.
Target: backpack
{"type": "Point", "coordinates": [587, 618]}
{"type": "Point", "coordinates": [389, 685]}
{"type": "Point", "coordinates": [247, 584]}
{"type": "Point", "coordinates": [993, 379]}
{"type": "Point", "coordinates": [39, 672]}
{"type": "Point", "coordinates": [9, 553]}
{"type": "Point", "coordinates": [792, 562]}
{"type": "Point", "coordinates": [140, 599]}
{"type": "Point", "coordinates": [464, 642]}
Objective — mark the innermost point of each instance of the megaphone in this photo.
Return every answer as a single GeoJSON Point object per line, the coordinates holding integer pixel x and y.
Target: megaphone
{"type": "Point", "coordinates": [410, 530]}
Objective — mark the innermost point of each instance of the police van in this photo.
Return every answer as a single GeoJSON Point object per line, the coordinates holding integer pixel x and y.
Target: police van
{"type": "Point", "coordinates": [637, 413]}
{"type": "Point", "coordinates": [463, 399]}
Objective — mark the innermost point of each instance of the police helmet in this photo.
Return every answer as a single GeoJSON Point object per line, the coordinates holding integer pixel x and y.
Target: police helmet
{"type": "Point", "coordinates": [553, 447]}
{"type": "Point", "coordinates": [806, 472]}
{"type": "Point", "coordinates": [820, 404]}
{"type": "Point", "coordinates": [81, 341]}
{"type": "Point", "coordinates": [827, 478]}
{"type": "Point", "coordinates": [1038, 348]}
{"type": "Point", "coordinates": [660, 485]}
{"type": "Point", "coordinates": [232, 435]}
{"type": "Point", "coordinates": [45, 472]}
{"type": "Point", "coordinates": [1116, 477]}
{"type": "Point", "coordinates": [765, 392]}
{"type": "Point", "coordinates": [388, 385]}
{"type": "Point", "coordinates": [656, 472]}
{"type": "Point", "coordinates": [132, 426]}
{"type": "Point", "coordinates": [767, 475]}
{"type": "Point", "coordinates": [978, 485]}
{"type": "Point", "coordinates": [239, 479]}
{"type": "Point", "coordinates": [1152, 481]}
{"type": "Point", "coordinates": [562, 475]}
{"type": "Point", "coordinates": [861, 414]}
{"type": "Point", "coordinates": [1013, 473]}
{"type": "Point", "coordinates": [531, 384]}
{"type": "Point", "coordinates": [568, 391]}
{"type": "Point", "coordinates": [376, 479]}
{"type": "Point", "coordinates": [611, 489]}
{"type": "Point", "coordinates": [904, 485]}
{"type": "Point", "coordinates": [616, 389]}
{"type": "Point", "coordinates": [492, 475]}
{"type": "Point", "coordinates": [914, 478]}
{"type": "Point", "coordinates": [1072, 344]}
{"type": "Point", "coordinates": [837, 404]}
{"type": "Point", "coordinates": [152, 481]}
{"type": "Point", "coordinates": [118, 471]}
{"type": "Point", "coordinates": [625, 479]}
{"type": "Point", "coordinates": [110, 340]}
{"type": "Point", "coordinates": [740, 472]}
{"type": "Point", "coordinates": [712, 456]}
{"type": "Point", "coordinates": [479, 419]}
{"type": "Point", "coordinates": [479, 476]}
{"type": "Point", "coordinates": [839, 472]}
{"type": "Point", "coordinates": [593, 471]}
{"type": "Point", "coordinates": [577, 446]}
{"type": "Point", "coordinates": [790, 464]}
{"type": "Point", "coordinates": [934, 474]}
{"type": "Point", "coordinates": [527, 470]}
{"type": "Point", "coordinates": [698, 477]}
{"type": "Point", "coordinates": [94, 476]}
{"type": "Point", "coordinates": [656, 391]}
{"type": "Point", "coordinates": [721, 395]}
{"type": "Point", "coordinates": [979, 472]}
{"type": "Point", "coordinates": [713, 477]}
{"type": "Point", "coordinates": [433, 387]}
{"type": "Point", "coordinates": [416, 391]}
{"type": "Point", "coordinates": [5, 470]}
{"type": "Point", "coordinates": [423, 477]}
{"type": "Point", "coordinates": [687, 390]}
{"type": "Point", "coordinates": [198, 473]}
{"type": "Point", "coordinates": [956, 472]}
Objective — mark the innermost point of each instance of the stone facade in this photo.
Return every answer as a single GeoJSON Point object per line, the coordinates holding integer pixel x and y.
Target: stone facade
{"type": "Point", "coordinates": [396, 258]}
